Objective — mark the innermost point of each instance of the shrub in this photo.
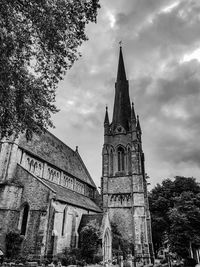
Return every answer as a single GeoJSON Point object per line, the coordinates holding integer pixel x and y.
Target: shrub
{"type": "Point", "coordinates": [89, 241]}
{"type": "Point", "coordinates": [98, 259]}
{"type": "Point", "coordinates": [13, 244]}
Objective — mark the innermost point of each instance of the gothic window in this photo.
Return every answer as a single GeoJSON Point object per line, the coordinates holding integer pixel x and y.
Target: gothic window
{"type": "Point", "coordinates": [24, 219]}
{"type": "Point", "coordinates": [129, 160]}
{"type": "Point", "coordinates": [64, 221]}
{"type": "Point", "coordinates": [120, 159]}
{"type": "Point", "coordinates": [28, 164]}
{"type": "Point", "coordinates": [48, 172]}
{"type": "Point", "coordinates": [36, 168]}
{"type": "Point", "coordinates": [71, 181]}
{"type": "Point", "coordinates": [67, 182]}
{"type": "Point", "coordinates": [32, 167]}
{"type": "Point", "coordinates": [111, 162]}
{"type": "Point", "coordinates": [53, 176]}
{"type": "Point", "coordinates": [58, 177]}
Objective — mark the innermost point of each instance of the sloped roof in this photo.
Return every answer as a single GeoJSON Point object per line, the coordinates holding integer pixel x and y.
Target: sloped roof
{"type": "Point", "coordinates": [63, 194]}
{"type": "Point", "coordinates": [71, 197]}
{"type": "Point", "coordinates": [52, 150]}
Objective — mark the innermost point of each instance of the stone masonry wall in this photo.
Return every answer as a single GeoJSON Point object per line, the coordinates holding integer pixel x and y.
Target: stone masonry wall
{"type": "Point", "coordinates": [10, 198]}
{"type": "Point", "coordinates": [37, 195]}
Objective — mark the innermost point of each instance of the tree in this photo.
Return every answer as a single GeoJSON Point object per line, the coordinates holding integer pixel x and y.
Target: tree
{"type": "Point", "coordinates": [170, 213]}
{"type": "Point", "coordinates": [119, 244]}
{"type": "Point", "coordinates": [89, 240]}
{"type": "Point", "coordinates": [38, 43]}
{"type": "Point", "coordinates": [185, 223]}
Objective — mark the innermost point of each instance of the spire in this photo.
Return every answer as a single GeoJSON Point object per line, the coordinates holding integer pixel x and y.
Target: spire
{"type": "Point", "coordinates": [122, 106]}
{"type": "Point", "coordinates": [121, 74]}
{"type": "Point", "coordinates": [106, 120]}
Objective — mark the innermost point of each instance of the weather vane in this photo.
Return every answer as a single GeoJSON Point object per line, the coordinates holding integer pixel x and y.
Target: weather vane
{"type": "Point", "coordinates": [120, 43]}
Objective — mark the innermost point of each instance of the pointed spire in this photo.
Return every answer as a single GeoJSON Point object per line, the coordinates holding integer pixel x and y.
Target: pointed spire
{"type": "Point", "coordinates": [138, 125]}
{"type": "Point", "coordinates": [122, 106]}
{"type": "Point", "coordinates": [106, 120]}
{"type": "Point", "coordinates": [121, 73]}
{"type": "Point", "coordinates": [133, 117]}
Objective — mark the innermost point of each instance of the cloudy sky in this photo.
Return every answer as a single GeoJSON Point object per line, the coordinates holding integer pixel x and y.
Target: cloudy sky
{"type": "Point", "coordinates": [161, 48]}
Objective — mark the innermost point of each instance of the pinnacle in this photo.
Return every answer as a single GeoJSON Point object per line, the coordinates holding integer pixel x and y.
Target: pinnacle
{"type": "Point", "coordinates": [121, 73]}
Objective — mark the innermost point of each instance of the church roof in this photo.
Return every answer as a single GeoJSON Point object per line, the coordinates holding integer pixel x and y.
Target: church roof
{"type": "Point", "coordinates": [71, 197]}
{"type": "Point", "coordinates": [61, 193]}
{"type": "Point", "coordinates": [52, 150]}
{"type": "Point", "coordinates": [122, 106]}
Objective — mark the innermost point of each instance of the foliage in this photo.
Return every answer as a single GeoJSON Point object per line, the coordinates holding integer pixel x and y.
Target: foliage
{"type": "Point", "coordinates": [185, 223]}
{"type": "Point", "coordinates": [89, 240]}
{"type": "Point", "coordinates": [120, 245]}
{"type": "Point", "coordinates": [69, 256]}
{"type": "Point", "coordinates": [97, 259]}
{"type": "Point", "coordinates": [175, 214]}
{"type": "Point", "coordinates": [38, 43]}
{"type": "Point", "coordinates": [13, 244]}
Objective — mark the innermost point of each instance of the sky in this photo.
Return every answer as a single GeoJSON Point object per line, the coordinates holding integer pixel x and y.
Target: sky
{"type": "Point", "coordinates": [161, 49]}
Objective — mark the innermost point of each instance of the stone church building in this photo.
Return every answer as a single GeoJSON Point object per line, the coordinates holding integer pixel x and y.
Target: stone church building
{"type": "Point", "coordinates": [48, 195]}
{"type": "Point", "coordinates": [124, 186]}
{"type": "Point", "coordinates": [45, 189]}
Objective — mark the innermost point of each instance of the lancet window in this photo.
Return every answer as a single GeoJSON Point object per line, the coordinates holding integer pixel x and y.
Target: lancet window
{"type": "Point", "coordinates": [64, 221]}
{"type": "Point", "coordinates": [111, 162]}
{"type": "Point", "coordinates": [24, 219]}
{"type": "Point", "coordinates": [120, 159]}
{"type": "Point", "coordinates": [129, 160]}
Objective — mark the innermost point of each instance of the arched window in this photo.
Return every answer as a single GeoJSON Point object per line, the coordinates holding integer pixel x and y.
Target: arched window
{"type": "Point", "coordinates": [58, 177]}
{"type": "Point", "coordinates": [120, 159]}
{"type": "Point", "coordinates": [36, 168]}
{"type": "Point", "coordinates": [32, 167]}
{"type": "Point", "coordinates": [28, 164]}
{"type": "Point", "coordinates": [129, 160]}
{"type": "Point", "coordinates": [111, 162]}
{"type": "Point", "coordinates": [64, 221]}
{"type": "Point", "coordinates": [39, 170]}
{"type": "Point", "coordinates": [24, 219]}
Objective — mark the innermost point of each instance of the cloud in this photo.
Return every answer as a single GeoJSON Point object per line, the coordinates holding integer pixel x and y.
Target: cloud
{"type": "Point", "coordinates": [159, 38]}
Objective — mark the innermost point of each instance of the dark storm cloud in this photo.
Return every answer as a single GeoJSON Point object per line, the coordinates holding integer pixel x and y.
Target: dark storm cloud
{"type": "Point", "coordinates": [170, 112]}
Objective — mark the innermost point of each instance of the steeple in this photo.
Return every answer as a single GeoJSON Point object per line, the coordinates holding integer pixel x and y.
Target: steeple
{"type": "Point", "coordinates": [121, 73]}
{"type": "Point", "coordinates": [122, 106]}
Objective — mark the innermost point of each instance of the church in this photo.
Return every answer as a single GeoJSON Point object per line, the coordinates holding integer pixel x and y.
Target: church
{"type": "Point", "coordinates": [47, 193]}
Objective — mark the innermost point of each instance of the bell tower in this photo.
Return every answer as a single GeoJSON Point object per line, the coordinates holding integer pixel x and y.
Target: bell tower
{"type": "Point", "coordinates": [124, 186]}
